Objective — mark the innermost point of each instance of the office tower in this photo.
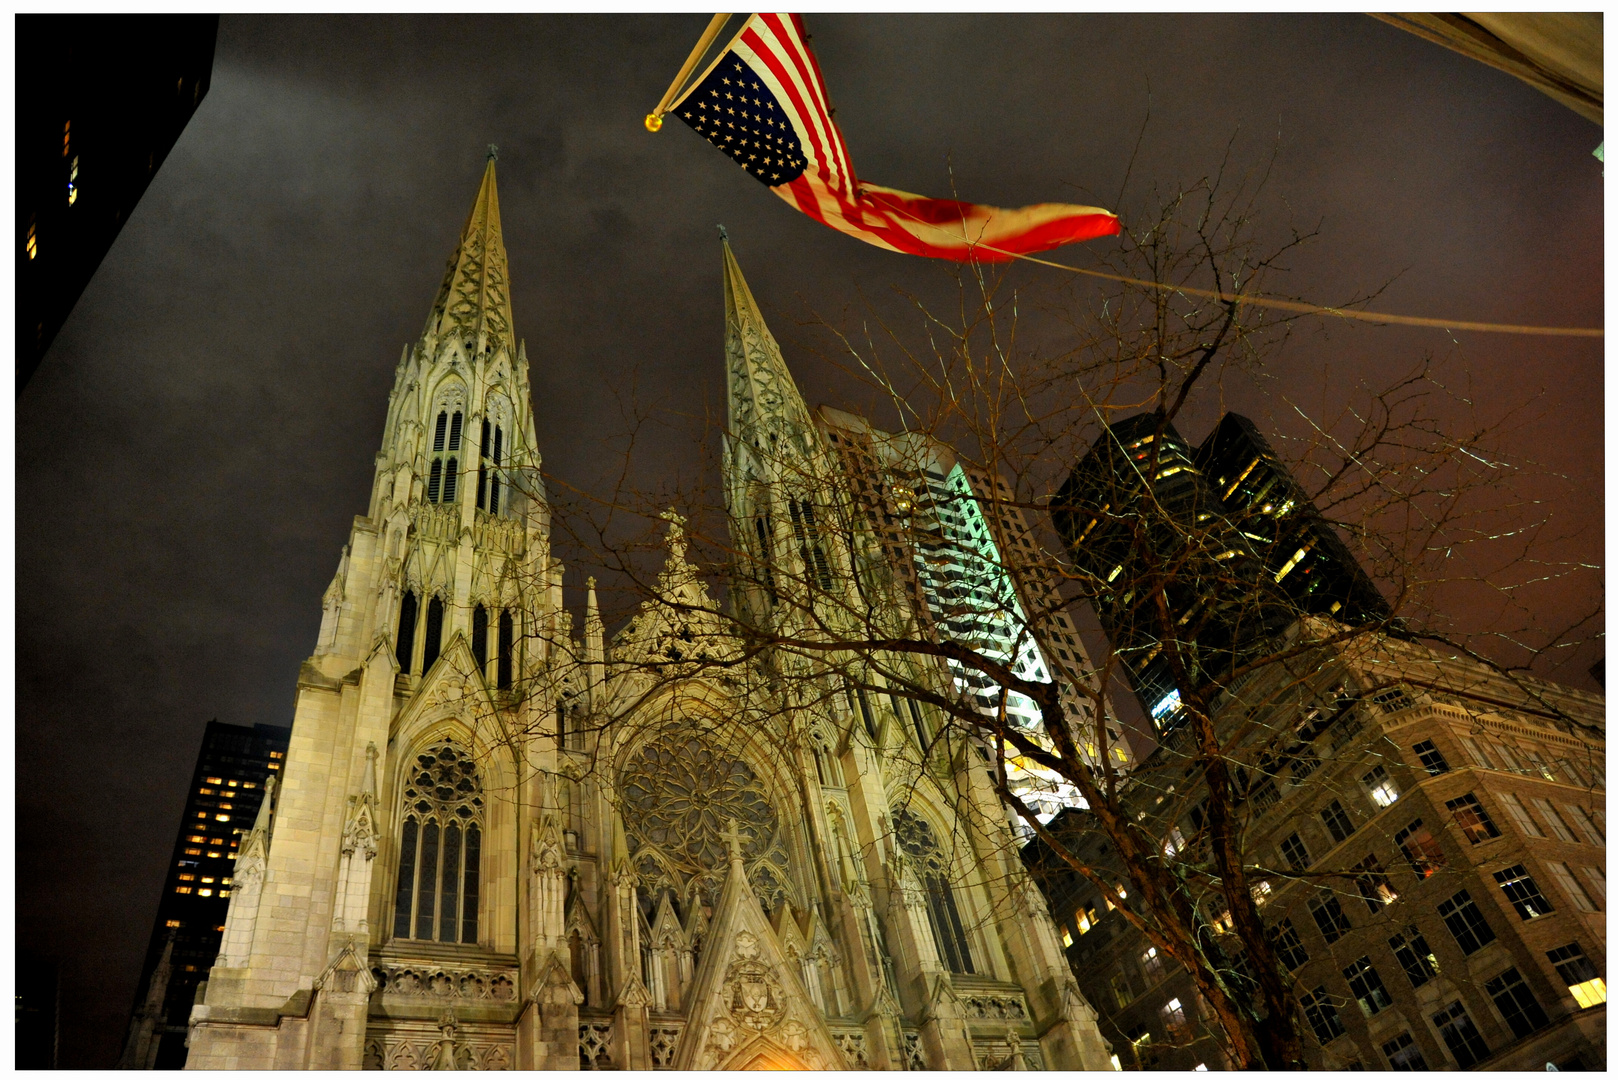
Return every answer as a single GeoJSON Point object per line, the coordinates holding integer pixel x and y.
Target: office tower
{"type": "Point", "coordinates": [1297, 547]}
{"type": "Point", "coordinates": [227, 790]}
{"type": "Point", "coordinates": [1141, 521]}
{"type": "Point", "coordinates": [101, 100]}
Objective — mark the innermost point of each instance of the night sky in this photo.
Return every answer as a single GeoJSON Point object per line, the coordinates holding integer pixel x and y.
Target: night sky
{"type": "Point", "coordinates": [194, 448]}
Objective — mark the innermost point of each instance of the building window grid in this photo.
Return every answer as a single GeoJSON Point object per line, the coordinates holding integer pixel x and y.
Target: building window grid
{"type": "Point", "coordinates": [1473, 820]}
{"type": "Point", "coordinates": [1548, 814]}
{"type": "Point", "coordinates": [1431, 758]}
{"type": "Point", "coordinates": [1296, 855]}
{"type": "Point", "coordinates": [1367, 986]}
{"type": "Point", "coordinates": [1583, 980]}
{"type": "Point", "coordinates": [1519, 813]}
{"type": "Point", "coordinates": [1570, 885]}
{"type": "Point", "coordinates": [1337, 821]}
{"type": "Point", "coordinates": [1288, 946]}
{"type": "Point", "coordinates": [1322, 1015]}
{"type": "Point", "coordinates": [1420, 849]}
{"type": "Point", "coordinates": [1465, 1044]}
{"type": "Point", "coordinates": [1415, 956]}
{"type": "Point", "coordinates": [1403, 1054]}
{"type": "Point", "coordinates": [1465, 922]}
{"type": "Point", "coordinates": [1330, 918]}
{"type": "Point", "coordinates": [1523, 893]}
{"type": "Point", "coordinates": [1518, 1007]}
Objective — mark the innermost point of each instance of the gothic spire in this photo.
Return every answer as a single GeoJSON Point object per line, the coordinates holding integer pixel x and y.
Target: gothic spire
{"type": "Point", "coordinates": [474, 303]}
{"type": "Point", "coordinates": [763, 398]}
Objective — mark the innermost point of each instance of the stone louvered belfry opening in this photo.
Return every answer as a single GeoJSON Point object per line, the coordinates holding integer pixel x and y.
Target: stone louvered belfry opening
{"type": "Point", "coordinates": [440, 848]}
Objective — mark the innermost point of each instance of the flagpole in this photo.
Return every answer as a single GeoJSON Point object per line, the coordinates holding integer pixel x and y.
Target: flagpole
{"type": "Point", "coordinates": [654, 119]}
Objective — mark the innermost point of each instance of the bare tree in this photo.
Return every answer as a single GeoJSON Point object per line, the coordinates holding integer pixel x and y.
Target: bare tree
{"type": "Point", "coordinates": [827, 600]}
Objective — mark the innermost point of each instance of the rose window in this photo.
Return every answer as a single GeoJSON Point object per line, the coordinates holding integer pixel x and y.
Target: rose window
{"type": "Point", "coordinates": [679, 798]}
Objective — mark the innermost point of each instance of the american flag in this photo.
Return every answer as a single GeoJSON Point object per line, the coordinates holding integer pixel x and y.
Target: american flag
{"type": "Point", "coordinates": [763, 103]}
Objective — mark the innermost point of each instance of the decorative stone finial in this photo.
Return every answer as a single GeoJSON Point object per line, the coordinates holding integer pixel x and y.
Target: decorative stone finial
{"type": "Point", "coordinates": [733, 840]}
{"type": "Point", "coordinates": [723, 235]}
{"type": "Point", "coordinates": [494, 152]}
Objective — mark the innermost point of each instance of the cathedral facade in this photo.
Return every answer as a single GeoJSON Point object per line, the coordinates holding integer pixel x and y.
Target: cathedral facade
{"type": "Point", "coordinates": [500, 844]}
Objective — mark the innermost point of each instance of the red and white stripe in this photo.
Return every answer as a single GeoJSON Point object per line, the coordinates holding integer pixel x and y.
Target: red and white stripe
{"type": "Point", "coordinates": [773, 46]}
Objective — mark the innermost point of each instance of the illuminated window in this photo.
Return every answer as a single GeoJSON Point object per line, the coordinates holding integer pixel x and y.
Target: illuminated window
{"type": "Point", "coordinates": [217, 780]}
{"type": "Point", "coordinates": [1381, 787]}
{"type": "Point", "coordinates": [1583, 981]}
{"type": "Point", "coordinates": [205, 791]}
{"type": "Point", "coordinates": [221, 817]}
{"type": "Point", "coordinates": [73, 182]}
{"type": "Point", "coordinates": [67, 138]}
{"type": "Point", "coordinates": [1151, 962]}
{"type": "Point", "coordinates": [204, 892]}
{"type": "Point", "coordinates": [1373, 884]}
{"type": "Point", "coordinates": [1472, 818]}
{"type": "Point", "coordinates": [182, 888]}
{"type": "Point", "coordinates": [33, 241]}
{"type": "Point", "coordinates": [226, 806]}
{"type": "Point", "coordinates": [188, 877]}
{"type": "Point", "coordinates": [248, 784]}
{"type": "Point", "coordinates": [1421, 850]}
{"type": "Point", "coordinates": [202, 814]}
{"type": "Point", "coordinates": [1067, 937]}
{"type": "Point", "coordinates": [193, 851]}
{"type": "Point", "coordinates": [172, 923]}
{"type": "Point", "coordinates": [207, 881]}
{"type": "Point", "coordinates": [224, 892]}
{"type": "Point", "coordinates": [277, 754]}
{"type": "Point", "coordinates": [219, 929]}
{"type": "Point", "coordinates": [1524, 895]}
{"type": "Point", "coordinates": [197, 839]}
{"type": "Point", "coordinates": [217, 840]}
{"type": "Point", "coordinates": [273, 766]}
{"type": "Point", "coordinates": [1087, 918]}
{"type": "Point", "coordinates": [213, 854]}
{"type": "Point", "coordinates": [1174, 1017]}
{"type": "Point", "coordinates": [230, 783]}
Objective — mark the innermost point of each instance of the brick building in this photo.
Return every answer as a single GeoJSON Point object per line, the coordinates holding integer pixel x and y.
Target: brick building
{"type": "Point", "coordinates": [1427, 838]}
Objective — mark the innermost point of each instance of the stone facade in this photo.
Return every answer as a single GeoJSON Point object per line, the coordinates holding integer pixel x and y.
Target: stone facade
{"type": "Point", "coordinates": [500, 845]}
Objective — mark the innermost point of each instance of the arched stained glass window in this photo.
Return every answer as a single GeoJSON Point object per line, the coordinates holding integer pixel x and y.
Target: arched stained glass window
{"type": "Point", "coordinates": [440, 846]}
{"type": "Point", "coordinates": [917, 841]}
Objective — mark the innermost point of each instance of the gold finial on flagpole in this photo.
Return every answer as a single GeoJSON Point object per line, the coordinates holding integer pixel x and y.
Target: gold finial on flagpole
{"type": "Point", "coordinates": [654, 119]}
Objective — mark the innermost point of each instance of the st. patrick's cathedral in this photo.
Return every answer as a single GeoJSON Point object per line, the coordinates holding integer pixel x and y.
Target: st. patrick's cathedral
{"type": "Point", "coordinates": [495, 845]}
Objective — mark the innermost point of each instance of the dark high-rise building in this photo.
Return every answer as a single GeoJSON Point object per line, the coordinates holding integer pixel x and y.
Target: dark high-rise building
{"type": "Point", "coordinates": [227, 790]}
{"type": "Point", "coordinates": [38, 1003]}
{"type": "Point", "coordinates": [101, 100]}
{"type": "Point", "coordinates": [1297, 546]}
{"type": "Point", "coordinates": [1224, 534]}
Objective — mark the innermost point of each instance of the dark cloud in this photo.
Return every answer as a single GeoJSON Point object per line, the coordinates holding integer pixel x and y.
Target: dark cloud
{"type": "Point", "coordinates": [193, 449]}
